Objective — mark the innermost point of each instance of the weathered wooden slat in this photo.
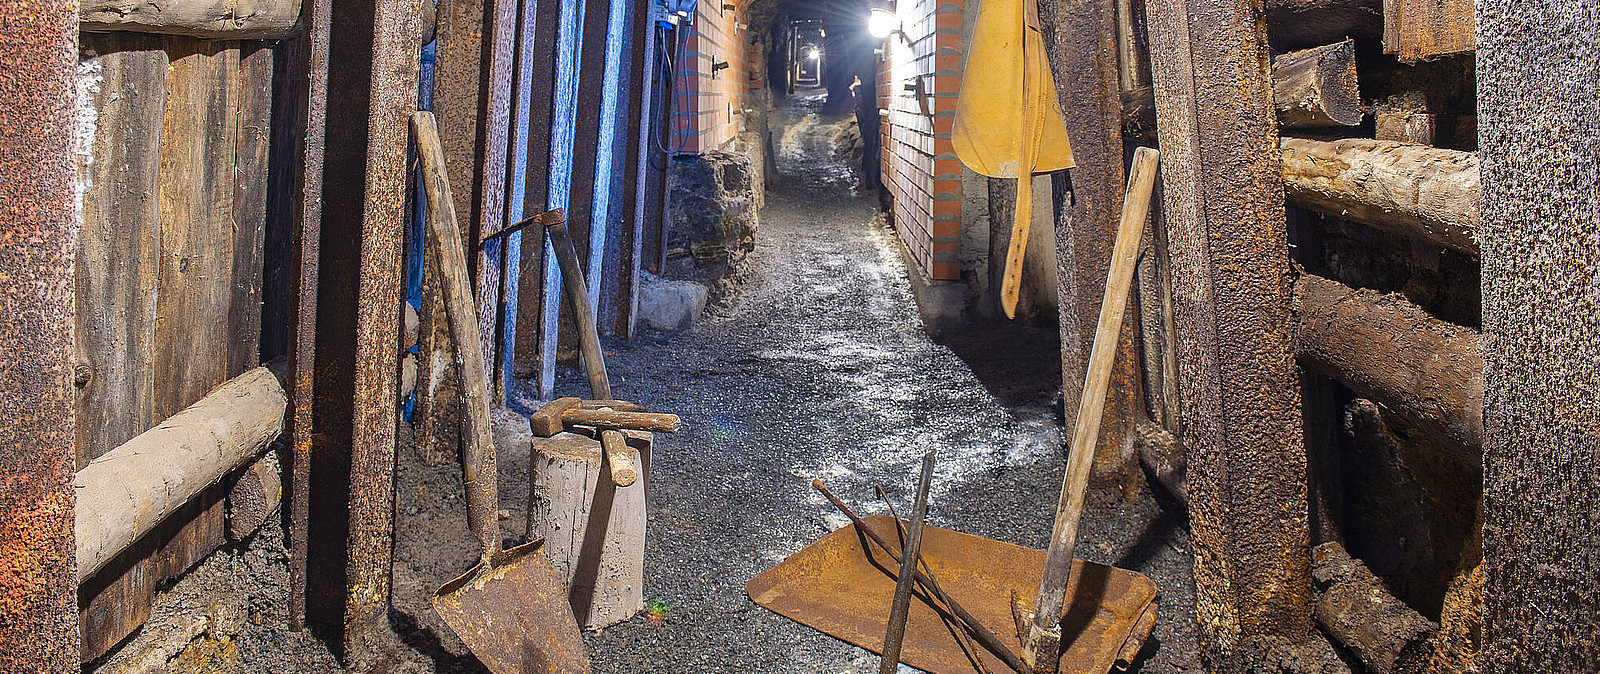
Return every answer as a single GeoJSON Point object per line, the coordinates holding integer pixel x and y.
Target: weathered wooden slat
{"type": "Point", "coordinates": [1240, 402]}
{"type": "Point", "coordinates": [527, 358]}
{"type": "Point", "coordinates": [1080, 37]}
{"type": "Point", "coordinates": [252, 132]}
{"type": "Point", "coordinates": [216, 19]}
{"type": "Point", "coordinates": [641, 128]}
{"type": "Point", "coordinates": [1317, 87]}
{"type": "Point", "coordinates": [1423, 30]}
{"type": "Point", "coordinates": [38, 222]}
{"type": "Point", "coordinates": [373, 67]}
{"type": "Point", "coordinates": [1538, 121]}
{"type": "Point", "coordinates": [1413, 190]}
{"type": "Point", "coordinates": [118, 244]}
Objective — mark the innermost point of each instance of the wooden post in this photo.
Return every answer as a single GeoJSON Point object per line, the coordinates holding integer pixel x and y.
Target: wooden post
{"type": "Point", "coordinates": [541, 41]}
{"type": "Point", "coordinates": [1240, 402]}
{"type": "Point", "coordinates": [1412, 190]}
{"type": "Point", "coordinates": [38, 592]}
{"type": "Point", "coordinates": [1541, 254]}
{"type": "Point", "coordinates": [214, 19]}
{"type": "Point", "coordinates": [1080, 37]}
{"type": "Point", "coordinates": [1423, 30]}
{"type": "Point", "coordinates": [1317, 86]}
{"type": "Point", "coordinates": [373, 68]}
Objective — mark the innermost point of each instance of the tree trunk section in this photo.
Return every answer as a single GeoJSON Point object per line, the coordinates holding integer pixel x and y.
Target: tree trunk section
{"type": "Point", "coordinates": [1317, 87]}
{"type": "Point", "coordinates": [594, 530]}
{"type": "Point", "coordinates": [1305, 23]}
{"type": "Point", "coordinates": [1080, 38]}
{"type": "Point", "coordinates": [212, 19]}
{"type": "Point", "coordinates": [1383, 347]}
{"type": "Point", "coordinates": [1354, 607]}
{"type": "Point", "coordinates": [1411, 190]}
{"type": "Point", "coordinates": [1538, 121]}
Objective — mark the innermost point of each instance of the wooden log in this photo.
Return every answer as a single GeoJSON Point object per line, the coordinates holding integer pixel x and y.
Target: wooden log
{"type": "Point", "coordinates": [1354, 607]}
{"type": "Point", "coordinates": [1083, 33]}
{"type": "Point", "coordinates": [255, 497]}
{"type": "Point", "coordinates": [1311, 88]}
{"type": "Point", "coordinates": [216, 19]}
{"type": "Point", "coordinates": [1164, 457]}
{"type": "Point", "coordinates": [1305, 23]}
{"type": "Point", "coordinates": [593, 529]}
{"type": "Point", "coordinates": [1240, 402]}
{"type": "Point", "coordinates": [1385, 348]}
{"type": "Point", "coordinates": [1413, 190]}
{"type": "Point", "coordinates": [38, 54]}
{"type": "Point", "coordinates": [1423, 30]}
{"type": "Point", "coordinates": [1541, 542]}
{"type": "Point", "coordinates": [125, 493]}
{"type": "Point", "coordinates": [1317, 87]}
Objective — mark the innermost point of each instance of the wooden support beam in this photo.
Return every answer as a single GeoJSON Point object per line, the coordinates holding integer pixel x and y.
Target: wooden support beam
{"type": "Point", "coordinates": [1314, 87]}
{"type": "Point", "coordinates": [1080, 40]}
{"type": "Point", "coordinates": [38, 602]}
{"type": "Point", "coordinates": [1388, 636]}
{"type": "Point", "coordinates": [1412, 190]}
{"type": "Point", "coordinates": [1293, 24]}
{"type": "Point", "coordinates": [125, 493]}
{"type": "Point", "coordinates": [1385, 348]}
{"type": "Point", "coordinates": [1317, 87]}
{"type": "Point", "coordinates": [1423, 30]}
{"type": "Point", "coordinates": [542, 41]}
{"type": "Point", "coordinates": [1539, 115]}
{"type": "Point", "coordinates": [213, 19]}
{"type": "Point", "coordinates": [373, 69]}
{"type": "Point", "coordinates": [1240, 402]}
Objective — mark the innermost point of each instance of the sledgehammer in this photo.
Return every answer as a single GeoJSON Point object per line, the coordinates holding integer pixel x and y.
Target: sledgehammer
{"type": "Point", "coordinates": [602, 414]}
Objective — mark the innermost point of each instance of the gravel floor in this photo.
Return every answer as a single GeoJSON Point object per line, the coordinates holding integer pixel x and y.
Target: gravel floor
{"type": "Point", "coordinates": [817, 368]}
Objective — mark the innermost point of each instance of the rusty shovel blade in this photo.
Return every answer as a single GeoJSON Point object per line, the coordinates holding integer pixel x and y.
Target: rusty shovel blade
{"type": "Point", "coordinates": [514, 616]}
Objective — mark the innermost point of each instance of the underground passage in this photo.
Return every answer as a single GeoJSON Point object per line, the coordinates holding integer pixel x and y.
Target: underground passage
{"type": "Point", "coordinates": [845, 336]}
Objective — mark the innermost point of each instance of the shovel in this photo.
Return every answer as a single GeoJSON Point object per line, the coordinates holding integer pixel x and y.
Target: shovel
{"type": "Point", "coordinates": [1008, 122]}
{"type": "Point", "coordinates": [511, 608]}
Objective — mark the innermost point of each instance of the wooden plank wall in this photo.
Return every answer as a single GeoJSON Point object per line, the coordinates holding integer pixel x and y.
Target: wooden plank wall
{"type": "Point", "coordinates": [172, 177]}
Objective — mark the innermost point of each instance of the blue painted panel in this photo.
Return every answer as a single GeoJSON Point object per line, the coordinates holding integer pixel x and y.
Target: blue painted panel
{"type": "Point", "coordinates": [616, 31]}
{"type": "Point", "coordinates": [517, 206]}
{"type": "Point", "coordinates": [563, 131]}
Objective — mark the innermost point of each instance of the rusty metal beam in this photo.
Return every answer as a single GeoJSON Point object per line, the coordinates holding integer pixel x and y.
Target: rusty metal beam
{"type": "Point", "coordinates": [307, 64]}
{"type": "Point", "coordinates": [38, 227]}
{"type": "Point", "coordinates": [1240, 395]}
{"type": "Point", "coordinates": [373, 65]}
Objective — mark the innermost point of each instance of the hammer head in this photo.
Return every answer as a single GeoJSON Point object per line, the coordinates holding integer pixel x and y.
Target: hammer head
{"type": "Point", "coordinates": [547, 421]}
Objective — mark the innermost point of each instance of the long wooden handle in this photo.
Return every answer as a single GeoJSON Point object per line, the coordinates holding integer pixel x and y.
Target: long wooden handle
{"type": "Point", "coordinates": [478, 455]}
{"type": "Point", "coordinates": [594, 361]}
{"type": "Point", "coordinates": [622, 458]}
{"type": "Point", "coordinates": [1091, 406]}
{"type": "Point", "coordinates": [655, 422]}
{"type": "Point", "coordinates": [1021, 225]}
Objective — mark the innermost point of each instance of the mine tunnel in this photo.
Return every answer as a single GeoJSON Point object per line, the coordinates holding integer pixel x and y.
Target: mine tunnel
{"type": "Point", "coordinates": [569, 336]}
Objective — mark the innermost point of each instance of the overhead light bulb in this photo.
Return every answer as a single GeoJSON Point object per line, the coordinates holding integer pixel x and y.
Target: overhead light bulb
{"type": "Point", "coordinates": [882, 23]}
{"type": "Point", "coordinates": [814, 54]}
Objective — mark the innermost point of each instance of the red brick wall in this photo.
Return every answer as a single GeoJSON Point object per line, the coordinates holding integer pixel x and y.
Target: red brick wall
{"type": "Point", "coordinates": [708, 106]}
{"type": "Point", "coordinates": [920, 169]}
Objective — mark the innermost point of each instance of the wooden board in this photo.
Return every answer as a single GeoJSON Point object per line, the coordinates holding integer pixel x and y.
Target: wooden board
{"type": "Point", "coordinates": [1423, 30]}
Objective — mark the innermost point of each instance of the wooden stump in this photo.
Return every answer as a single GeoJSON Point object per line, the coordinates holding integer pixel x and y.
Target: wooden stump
{"type": "Point", "coordinates": [593, 530]}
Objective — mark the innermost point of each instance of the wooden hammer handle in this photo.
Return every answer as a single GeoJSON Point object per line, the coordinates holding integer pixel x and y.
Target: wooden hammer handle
{"type": "Point", "coordinates": [654, 422]}
{"type": "Point", "coordinates": [623, 459]}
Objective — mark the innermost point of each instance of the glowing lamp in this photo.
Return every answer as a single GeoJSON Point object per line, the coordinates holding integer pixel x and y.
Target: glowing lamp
{"type": "Point", "coordinates": [882, 23]}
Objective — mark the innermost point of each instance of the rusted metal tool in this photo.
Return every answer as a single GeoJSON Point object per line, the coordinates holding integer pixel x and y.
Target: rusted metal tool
{"type": "Point", "coordinates": [840, 584]}
{"type": "Point", "coordinates": [906, 579]}
{"type": "Point", "coordinates": [562, 412]}
{"type": "Point", "coordinates": [510, 608]}
{"type": "Point", "coordinates": [962, 632]}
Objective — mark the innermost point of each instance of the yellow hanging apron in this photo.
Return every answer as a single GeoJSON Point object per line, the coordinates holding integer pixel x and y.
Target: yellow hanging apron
{"type": "Point", "coordinates": [1008, 121]}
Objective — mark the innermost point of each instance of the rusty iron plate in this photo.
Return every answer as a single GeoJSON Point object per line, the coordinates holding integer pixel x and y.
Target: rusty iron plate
{"type": "Point", "coordinates": [833, 586]}
{"type": "Point", "coordinates": [514, 615]}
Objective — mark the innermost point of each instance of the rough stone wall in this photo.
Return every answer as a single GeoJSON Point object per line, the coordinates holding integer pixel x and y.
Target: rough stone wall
{"type": "Point", "coordinates": [715, 203]}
